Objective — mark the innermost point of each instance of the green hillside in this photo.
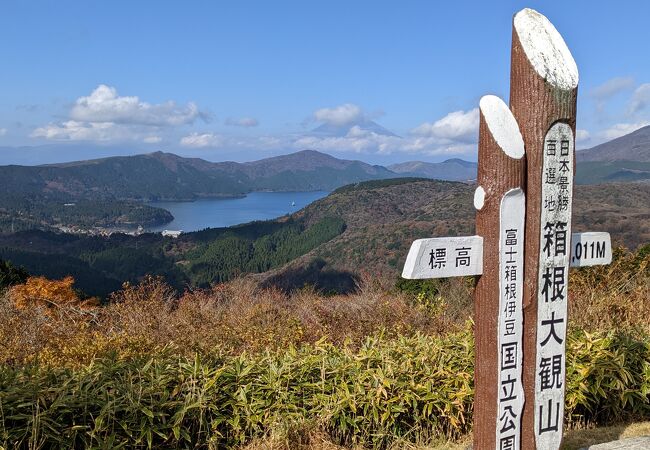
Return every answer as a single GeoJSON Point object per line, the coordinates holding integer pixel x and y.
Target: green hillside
{"type": "Point", "coordinates": [361, 228]}
{"type": "Point", "coordinates": [595, 172]}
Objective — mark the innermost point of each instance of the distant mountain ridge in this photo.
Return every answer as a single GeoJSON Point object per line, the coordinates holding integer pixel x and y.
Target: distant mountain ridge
{"type": "Point", "coordinates": [634, 146]}
{"type": "Point", "coordinates": [166, 176]}
{"type": "Point", "coordinates": [452, 169]}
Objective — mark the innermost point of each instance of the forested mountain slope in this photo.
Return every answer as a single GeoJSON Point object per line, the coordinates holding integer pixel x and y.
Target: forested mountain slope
{"type": "Point", "coordinates": [365, 227]}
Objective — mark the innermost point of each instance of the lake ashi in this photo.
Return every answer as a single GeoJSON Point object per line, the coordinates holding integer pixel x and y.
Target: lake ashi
{"type": "Point", "coordinates": [215, 213]}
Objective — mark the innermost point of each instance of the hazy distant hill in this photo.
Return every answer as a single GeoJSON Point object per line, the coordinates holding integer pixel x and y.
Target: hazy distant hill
{"type": "Point", "coordinates": [595, 172]}
{"type": "Point", "coordinates": [453, 169]}
{"type": "Point", "coordinates": [631, 147]}
{"type": "Point", "coordinates": [171, 177]}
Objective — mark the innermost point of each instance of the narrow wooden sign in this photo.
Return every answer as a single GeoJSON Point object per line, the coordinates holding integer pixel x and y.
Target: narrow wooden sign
{"type": "Point", "coordinates": [510, 403]}
{"type": "Point", "coordinates": [444, 257]}
{"type": "Point", "coordinates": [543, 97]}
{"type": "Point", "coordinates": [553, 275]}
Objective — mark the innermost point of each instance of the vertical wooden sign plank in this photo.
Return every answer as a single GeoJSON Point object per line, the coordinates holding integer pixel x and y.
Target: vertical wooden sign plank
{"type": "Point", "coordinates": [553, 275]}
{"type": "Point", "coordinates": [500, 210]}
{"type": "Point", "coordinates": [543, 93]}
{"type": "Point", "coordinates": [510, 399]}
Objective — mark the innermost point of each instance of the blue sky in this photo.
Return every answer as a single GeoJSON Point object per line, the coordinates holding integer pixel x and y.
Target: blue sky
{"type": "Point", "coordinates": [244, 80]}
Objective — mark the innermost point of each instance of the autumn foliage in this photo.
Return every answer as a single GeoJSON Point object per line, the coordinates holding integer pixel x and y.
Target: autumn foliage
{"type": "Point", "coordinates": [242, 366]}
{"type": "Point", "coordinates": [48, 294]}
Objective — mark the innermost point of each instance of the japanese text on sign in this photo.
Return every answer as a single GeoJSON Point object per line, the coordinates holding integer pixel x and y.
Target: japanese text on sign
{"type": "Point", "coordinates": [510, 338]}
{"type": "Point", "coordinates": [444, 257]}
{"type": "Point", "coordinates": [554, 258]}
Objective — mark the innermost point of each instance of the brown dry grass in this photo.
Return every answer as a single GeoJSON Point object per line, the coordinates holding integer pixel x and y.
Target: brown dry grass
{"type": "Point", "coordinates": [240, 316]}
{"type": "Point", "coordinates": [315, 440]}
{"type": "Point", "coordinates": [614, 297]}
{"type": "Point", "coordinates": [232, 317]}
{"type": "Point", "coordinates": [576, 439]}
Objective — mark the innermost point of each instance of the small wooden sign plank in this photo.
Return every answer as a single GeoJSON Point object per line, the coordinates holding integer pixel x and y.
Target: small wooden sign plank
{"type": "Point", "coordinates": [591, 249]}
{"type": "Point", "coordinates": [444, 257]}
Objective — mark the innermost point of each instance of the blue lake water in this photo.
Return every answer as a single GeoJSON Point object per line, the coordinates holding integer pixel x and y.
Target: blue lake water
{"type": "Point", "coordinates": [215, 213]}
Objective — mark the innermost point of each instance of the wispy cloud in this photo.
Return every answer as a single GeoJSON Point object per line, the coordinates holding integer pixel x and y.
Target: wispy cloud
{"type": "Point", "coordinates": [640, 99]}
{"type": "Point", "coordinates": [196, 140]}
{"type": "Point", "coordinates": [621, 129]}
{"type": "Point", "coordinates": [73, 130]}
{"type": "Point", "coordinates": [245, 122]}
{"type": "Point", "coordinates": [152, 140]}
{"type": "Point", "coordinates": [611, 88]}
{"type": "Point", "coordinates": [455, 134]}
{"type": "Point", "coordinates": [582, 136]}
{"type": "Point", "coordinates": [457, 125]}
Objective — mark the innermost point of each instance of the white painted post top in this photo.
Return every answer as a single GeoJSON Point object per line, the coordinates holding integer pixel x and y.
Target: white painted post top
{"type": "Point", "coordinates": [502, 125]}
{"type": "Point", "coordinates": [545, 49]}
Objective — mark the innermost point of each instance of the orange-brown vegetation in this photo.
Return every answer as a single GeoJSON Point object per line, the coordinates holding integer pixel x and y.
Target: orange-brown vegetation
{"type": "Point", "coordinates": [242, 316]}
{"type": "Point", "coordinates": [50, 295]}
{"type": "Point", "coordinates": [241, 366]}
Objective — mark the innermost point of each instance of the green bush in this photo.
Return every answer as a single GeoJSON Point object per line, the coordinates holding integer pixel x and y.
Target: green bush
{"type": "Point", "coordinates": [413, 388]}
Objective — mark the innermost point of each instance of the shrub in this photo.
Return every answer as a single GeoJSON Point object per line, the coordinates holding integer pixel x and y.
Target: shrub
{"type": "Point", "coordinates": [404, 389]}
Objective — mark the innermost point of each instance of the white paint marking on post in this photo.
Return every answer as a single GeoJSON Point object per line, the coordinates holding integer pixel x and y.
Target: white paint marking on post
{"type": "Point", "coordinates": [502, 125]}
{"type": "Point", "coordinates": [510, 403]}
{"type": "Point", "coordinates": [444, 257]}
{"type": "Point", "coordinates": [590, 249]}
{"type": "Point", "coordinates": [555, 245]}
{"type": "Point", "coordinates": [479, 198]}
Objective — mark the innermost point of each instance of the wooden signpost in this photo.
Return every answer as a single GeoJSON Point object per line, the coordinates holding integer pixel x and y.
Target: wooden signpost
{"type": "Point", "coordinates": [524, 245]}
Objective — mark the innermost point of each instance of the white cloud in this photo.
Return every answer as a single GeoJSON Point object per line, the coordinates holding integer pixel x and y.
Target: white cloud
{"type": "Point", "coordinates": [3, 131]}
{"type": "Point", "coordinates": [358, 140]}
{"type": "Point", "coordinates": [245, 122]}
{"type": "Point", "coordinates": [197, 140]}
{"type": "Point", "coordinates": [152, 140]}
{"type": "Point", "coordinates": [453, 135]}
{"type": "Point", "coordinates": [612, 87]}
{"type": "Point", "coordinates": [342, 115]}
{"type": "Point", "coordinates": [105, 105]}
{"type": "Point", "coordinates": [73, 130]}
{"type": "Point", "coordinates": [621, 129]}
{"type": "Point", "coordinates": [457, 125]}
{"type": "Point", "coordinates": [106, 116]}
{"type": "Point", "coordinates": [640, 99]}
{"type": "Point", "coordinates": [582, 135]}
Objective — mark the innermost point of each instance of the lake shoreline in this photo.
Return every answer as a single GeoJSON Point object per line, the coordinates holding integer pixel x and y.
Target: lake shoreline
{"type": "Point", "coordinates": [210, 212]}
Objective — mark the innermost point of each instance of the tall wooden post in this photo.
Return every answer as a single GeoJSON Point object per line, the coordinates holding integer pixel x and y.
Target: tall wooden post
{"type": "Point", "coordinates": [543, 93]}
{"type": "Point", "coordinates": [501, 176]}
